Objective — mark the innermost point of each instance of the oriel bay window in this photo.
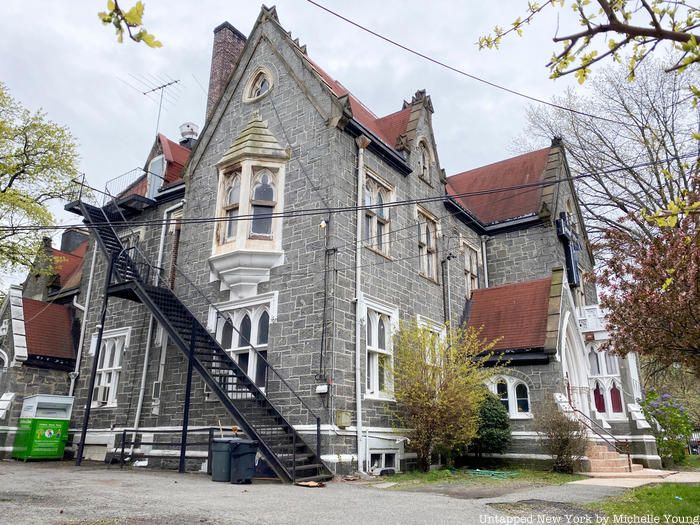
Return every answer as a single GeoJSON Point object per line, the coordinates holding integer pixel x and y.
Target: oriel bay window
{"type": "Point", "coordinates": [233, 199]}
{"type": "Point", "coordinates": [263, 203]}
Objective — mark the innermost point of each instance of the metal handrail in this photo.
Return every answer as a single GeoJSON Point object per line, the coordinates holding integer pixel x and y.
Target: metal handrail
{"type": "Point", "coordinates": [220, 315]}
{"type": "Point", "coordinates": [613, 444]}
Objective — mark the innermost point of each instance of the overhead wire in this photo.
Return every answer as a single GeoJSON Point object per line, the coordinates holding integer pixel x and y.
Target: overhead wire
{"type": "Point", "coordinates": [455, 69]}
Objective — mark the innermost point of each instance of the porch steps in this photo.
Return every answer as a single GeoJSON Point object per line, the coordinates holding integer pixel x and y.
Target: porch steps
{"type": "Point", "coordinates": [601, 459]}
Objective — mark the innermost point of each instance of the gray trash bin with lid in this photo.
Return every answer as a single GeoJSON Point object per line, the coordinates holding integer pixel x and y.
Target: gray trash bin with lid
{"type": "Point", "coordinates": [243, 453]}
{"type": "Point", "coordinates": [221, 459]}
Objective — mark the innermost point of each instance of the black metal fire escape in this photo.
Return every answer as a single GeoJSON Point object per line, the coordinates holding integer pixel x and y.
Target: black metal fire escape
{"type": "Point", "coordinates": [255, 408]}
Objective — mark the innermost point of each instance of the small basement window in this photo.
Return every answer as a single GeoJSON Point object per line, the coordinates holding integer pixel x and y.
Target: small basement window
{"type": "Point", "coordinates": [379, 461]}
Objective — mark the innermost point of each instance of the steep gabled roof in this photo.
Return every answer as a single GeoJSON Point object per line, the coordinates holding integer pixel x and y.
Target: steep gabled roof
{"type": "Point", "coordinates": [48, 329]}
{"type": "Point", "coordinates": [516, 313]}
{"type": "Point", "coordinates": [492, 205]}
{"type": "Point", "coordinates": [387, 128]}
{"type": "Point", "coordinates": [176, 156]}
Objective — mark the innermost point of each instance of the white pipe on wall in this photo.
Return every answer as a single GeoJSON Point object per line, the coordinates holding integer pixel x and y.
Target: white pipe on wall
{"type": "Point", "coordinates": [362, 143]}
{"type": "Point", "coordinates": [83, 327]}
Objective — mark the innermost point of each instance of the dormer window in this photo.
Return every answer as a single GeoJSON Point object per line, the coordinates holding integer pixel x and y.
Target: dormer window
{"type": "Point", "coordinates": [231, 205]}
{"type": "Point", "coordinates": [263, 204]}
{"type": "Point", "coordinates": [156, 170]}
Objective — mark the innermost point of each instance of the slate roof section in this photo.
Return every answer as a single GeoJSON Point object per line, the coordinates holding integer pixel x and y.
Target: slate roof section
{"type": "Point", "coordinates": [497, 206]}
{"type": "Point", "coordinates": [48, 329]}
{"type": "Point", "coordinates": [517, 313]}
{"type": "Point", "coordinates": [387, 128]}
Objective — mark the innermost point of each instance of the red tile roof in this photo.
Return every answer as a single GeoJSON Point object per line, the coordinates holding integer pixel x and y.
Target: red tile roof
{"type": "Point", "coordinates": [67, 263]}
{"type": "Point", "coordinates": [48, 329]}
{"type": "Point", "coordinates": [176, 156]}
{"type": "Point", "coordinates": [386, 128]}
{"type": "Point", "coordinates": [517, 313]}
{"type": "Point", "coordinates": [502, 205]}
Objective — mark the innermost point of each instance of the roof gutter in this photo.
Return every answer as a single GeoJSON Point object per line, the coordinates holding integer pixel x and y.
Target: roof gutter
{"type": "Point", "coordinates": [378, 147]}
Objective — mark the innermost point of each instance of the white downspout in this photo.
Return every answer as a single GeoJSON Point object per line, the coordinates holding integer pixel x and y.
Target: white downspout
{"type": "Point", "coordinates": [484, 259]}
{"type": "Point", "coordinates": [151, 323]}
{"type": "Point", "coordinates": [83, 327]}
{"type": "Point", "coordinates": [362, 142]}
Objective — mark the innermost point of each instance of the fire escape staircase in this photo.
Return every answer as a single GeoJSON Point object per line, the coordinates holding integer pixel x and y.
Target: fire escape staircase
{"type": "Point", "coordinates": [285, 451]}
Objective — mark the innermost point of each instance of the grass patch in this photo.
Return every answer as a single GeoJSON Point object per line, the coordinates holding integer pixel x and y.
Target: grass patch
{"type": "Point", "coordinates": [676, 499]}
{"type": "Point", "coordinates": [691, 462]}
{"type": "Point", "coordinates": [468, 476]}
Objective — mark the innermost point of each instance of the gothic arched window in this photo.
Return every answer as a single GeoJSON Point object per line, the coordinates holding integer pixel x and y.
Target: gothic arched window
{"type": "Point", "coordinates": [263, 202]}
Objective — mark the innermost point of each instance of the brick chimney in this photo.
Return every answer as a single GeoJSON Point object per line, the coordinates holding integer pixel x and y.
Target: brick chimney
{"type": "Point", "coordinates": [227, 48]}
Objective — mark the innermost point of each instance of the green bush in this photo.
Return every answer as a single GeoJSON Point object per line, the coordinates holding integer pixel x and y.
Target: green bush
{"type": "Point", "coordinates": [493, 435]}
{"type": "Point", "coordinates": [671, 423]}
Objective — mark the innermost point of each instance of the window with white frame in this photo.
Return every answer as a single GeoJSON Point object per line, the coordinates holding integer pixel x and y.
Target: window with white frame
{"type": "Point", "coordinates": [109, 365]}
{"type": "Point", "coordinates": [379, 354]}
{"type": "Point", "coordinates": [380, 460]}
{"type": "Point", "coordinates": [605, 383]}
{"type": "Point", "coordinates": [156, 175]}
{"type": "Point", "coordinates": [377, 216]}
{"type": "Point", "coordinates": [514, 395]}
{"type": "Point", "coordinates": [262, 201]}
{"type": "Point", "coordinates": [427, 244]}
{"type": "Point", "coordinates": [471, 269]}
{"type": "Point", "coordinates": [259, 84]}
{"type": "Point", "coordinates": [231, 204]}
{"type": "Point", "coordinates": [247, 328]}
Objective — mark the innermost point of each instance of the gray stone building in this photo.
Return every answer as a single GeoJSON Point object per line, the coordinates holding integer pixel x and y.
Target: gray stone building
{"type": "Point", "coordinates": [303, 229]}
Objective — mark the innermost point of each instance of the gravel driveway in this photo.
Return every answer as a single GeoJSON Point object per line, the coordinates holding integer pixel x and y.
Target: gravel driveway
{"type": "Point", "coordinates": [60, 493]}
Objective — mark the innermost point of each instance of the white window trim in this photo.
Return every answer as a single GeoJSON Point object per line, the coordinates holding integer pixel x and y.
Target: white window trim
{"type": "Point", "coordinates": [383, 453]}
{"type": "Point", "coordinates": [111, 334]}
{"type": "Point", "coordinates": [422, 218]}
{"type": "Point", "coordinates": [606, 383]}
{"type": "Point", "coordinates": [468, 275]}
{"type": "Point", "coordinates": [153, 181]}
{"type": "Point", "coordinates": [392, 312]}
{"type": "Point", "coordinates": [512, 383]}
{"type": "Point", "coordinates": [389, 192]}
{"type": "Point", "coordinates": [236, 310]}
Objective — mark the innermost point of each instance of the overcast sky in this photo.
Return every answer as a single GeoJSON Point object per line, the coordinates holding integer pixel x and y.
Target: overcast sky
{"type": "Point", "coordinates": [57, 56]}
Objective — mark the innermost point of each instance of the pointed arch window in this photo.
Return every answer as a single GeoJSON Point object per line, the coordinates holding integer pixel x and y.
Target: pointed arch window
{"type": "Point", "coordinates": [615, 399]}
{"type": "Point", "coordinates": [513, 394]}
{"type": "Point", "coordinates": [427, 245]}
{"type": "Point", "coordinates": [502, 393]}
{"type": "Point", "coordinates": [594, 362]}
{"type": "Point", "coordinates": [263, 203]}
{"type": "Point", "coordinates": [423, 161]}
{"type": "Point", "coordinates": [599, 398]}
{"type": "Point", "coordinates": [379, 354]}
{"type": "Point", "coordinates": [522, 398]}
{"type": "Point", "coordinates": [231, 206]}
{"type": "Point", "coordinates": [376, 223]}
{"type": "Point", "coordinates": [260, 86]}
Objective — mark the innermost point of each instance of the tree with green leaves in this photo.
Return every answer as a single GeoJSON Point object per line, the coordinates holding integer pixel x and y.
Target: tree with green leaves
{"type": "Point", "coordinates": [439, 384]}
{"type": "Point", "coordinates": [129, 21]}
{"type": "Point", "coordinates": [493, 435]}
{"type": "Point", "coordinates": [606, 28]}
{"type": "Point", "coordinates": [38, 161]}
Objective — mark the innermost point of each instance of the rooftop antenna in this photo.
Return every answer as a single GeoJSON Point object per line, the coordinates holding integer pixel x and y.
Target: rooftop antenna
{"type": "Point", "coordinates": [160, 88]}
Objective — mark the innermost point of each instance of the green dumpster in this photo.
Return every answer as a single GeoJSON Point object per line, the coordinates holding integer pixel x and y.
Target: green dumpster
{"type": "Point", "coordinates": [221, 459]}
{"type": "Point", "coordinates": [243, 453]}
{"type": "Point", "coordinates": [42, 431]}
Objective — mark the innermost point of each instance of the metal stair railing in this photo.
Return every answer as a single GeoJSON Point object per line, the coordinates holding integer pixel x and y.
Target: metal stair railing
{"type": "Point", "coordinates": [132, 264]}
{"type": "Point", "coordinates": [602, 432]}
